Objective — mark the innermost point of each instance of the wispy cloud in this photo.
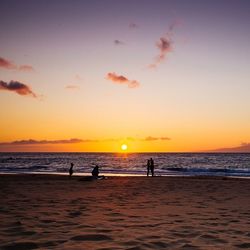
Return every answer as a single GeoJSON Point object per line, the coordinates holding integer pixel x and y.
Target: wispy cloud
{"type": "Point", "coordinates": [75, 83]}
{"type": "Point", "coordinates": [165, 138]}
{"type": "Point", "coordinates": [32, 142]}
{"type": "Point", "coordinates": [72, 87]}
{"type": "Point", "coordinates": [133, 26]}
{"type": "Point", "coordinates": [77, 140]}
{"type": "Point", "coordinates": [165, 44]}
{"type": "Point", "coordinates": [120, 79]}
{"type": "Point", "coordinates": [18, 87]}
{"type": "Point", "coordinates": [7, 64]}
{"type": "Point", "coordinates": [27, 68]}
{"type": "Point", "coordinates": [244, 147]}
{"type": "Point", "coordinates": [118, 42]}
{"type": "Point", "coordinates": [146, 139]}
{"type": "Point", "coordinates": [151, 138]}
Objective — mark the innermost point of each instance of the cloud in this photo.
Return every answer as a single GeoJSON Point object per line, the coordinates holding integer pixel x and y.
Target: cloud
{"type": "Point", "coordinates": [118, 42]}
{"type": "Point", "coordinates": [165, 138]}
{"type": "Point", "coordinates": [18, 87]}
{"type": "Point", "coordinates": [4, 63]}
{"type": "Point", "coordinates": [7, 64]}
{"type": "Point", "coordinates": [64, 141]}
{"type": "Point", "coordinates": [244, 147]}
{"type": "Point", "coordinates": [120, 79]}
{"type": "Point", "coordinates": [72, 86]}
{"type": "Point", "coordinates": [75, 83]}
{"type": "Point", "coordinates": [27, 68]}
{"type": "Point", "coordinates": [133, 26]}
{"type": "Point", "coordinates": [77, 140]}
{"type": "Point", "coordinates": [116, 78]}
{"type": "Point", "coordinates": [39, 142]}
{"type": "Point", "coordinates": [151, 138]}
{"type": "Point", "coordinates": [165, 44]}
{"type": "Point", "coordinates": [147, 139]}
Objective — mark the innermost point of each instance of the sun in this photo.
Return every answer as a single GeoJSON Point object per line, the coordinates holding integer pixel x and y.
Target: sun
{"type": "Point", "coordinates": [124, 147]}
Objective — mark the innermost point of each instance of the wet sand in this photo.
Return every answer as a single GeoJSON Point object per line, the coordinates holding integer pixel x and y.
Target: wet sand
{"type": "Point", "coordinates": [58, 212]}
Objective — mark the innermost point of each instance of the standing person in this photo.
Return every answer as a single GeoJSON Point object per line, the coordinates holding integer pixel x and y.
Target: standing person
{"type": "Point", "coordinates": [71, 169]}
{"type": "Point", "coordinates": [148, 167]}
{"type": "Point", "coordinates": [152, 166]}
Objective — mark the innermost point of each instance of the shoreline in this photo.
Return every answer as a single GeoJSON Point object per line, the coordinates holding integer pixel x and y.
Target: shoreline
{"type": "Point", "coordinates": [114, 175]}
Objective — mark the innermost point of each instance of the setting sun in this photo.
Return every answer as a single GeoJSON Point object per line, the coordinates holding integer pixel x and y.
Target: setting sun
{"type": "Point", "coordinates": [124, 147]}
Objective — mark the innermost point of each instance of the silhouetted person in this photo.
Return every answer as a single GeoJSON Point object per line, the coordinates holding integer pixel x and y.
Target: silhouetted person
{"type": "Point", "coordinates": [148, 166]}
{"type": "Point", "coordinates": [152, 166]}
{"type": "Point", "coordinates": [95, 171]}
{"type": "Point", "coordinates": [71, 169]}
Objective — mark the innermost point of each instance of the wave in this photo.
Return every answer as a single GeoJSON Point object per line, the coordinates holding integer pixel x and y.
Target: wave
{"type": "Point", "coordinates": [209, 171]}
{"type": "Point", "coordinates": [165, 163]}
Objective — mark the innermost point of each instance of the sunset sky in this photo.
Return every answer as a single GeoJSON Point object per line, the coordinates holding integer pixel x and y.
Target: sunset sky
{"type": "Point", "coordinates": [155, 75]}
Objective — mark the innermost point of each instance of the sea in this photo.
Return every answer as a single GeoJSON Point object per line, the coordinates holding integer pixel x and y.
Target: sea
{"type": "Point", "coordinates": [166, 164]}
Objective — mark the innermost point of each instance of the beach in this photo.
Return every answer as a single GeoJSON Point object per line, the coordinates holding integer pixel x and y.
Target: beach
{"type": "Point", "coordinates": [41, 211]}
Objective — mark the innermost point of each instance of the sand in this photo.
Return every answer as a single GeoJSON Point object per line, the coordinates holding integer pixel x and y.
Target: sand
{"type": "Point", "coordinates": [58, 212]}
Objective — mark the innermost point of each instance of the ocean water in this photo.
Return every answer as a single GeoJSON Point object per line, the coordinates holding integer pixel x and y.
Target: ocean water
{"type": "Point", "coordinates": [216, 164]}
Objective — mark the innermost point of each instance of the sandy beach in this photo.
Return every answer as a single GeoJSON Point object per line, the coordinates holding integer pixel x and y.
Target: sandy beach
{"type": "Point", "coordinates": [58, 212]}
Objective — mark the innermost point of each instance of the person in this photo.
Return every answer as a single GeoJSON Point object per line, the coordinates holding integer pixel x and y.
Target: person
{"type": "Point", "coordinates": [148, 166]}
{"type": "Point", "coordinates": [95, 171]}
{"type": "Point", "coordinates": [152, 166]}
{"type": "Point", "coordinates": [71, 169]}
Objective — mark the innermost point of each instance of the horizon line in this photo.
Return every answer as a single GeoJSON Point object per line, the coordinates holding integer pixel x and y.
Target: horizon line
{"type": "Point", "coordinates": [135, 152]}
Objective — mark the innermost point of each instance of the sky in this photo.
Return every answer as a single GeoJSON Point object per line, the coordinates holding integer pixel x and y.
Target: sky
{"type": "Point", "coordinates": [156, 75]}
